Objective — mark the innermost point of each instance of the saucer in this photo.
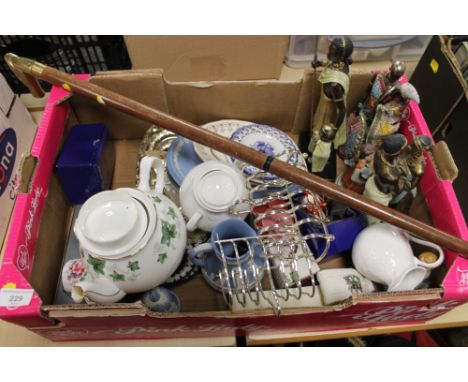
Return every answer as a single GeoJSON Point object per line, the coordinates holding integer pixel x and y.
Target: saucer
{"type": "Point", "coordinates": [270, 141]}
{"type": "Point", "coordinates": [180, 159]}
{"type": "Point", "coordinates": [223, 127]}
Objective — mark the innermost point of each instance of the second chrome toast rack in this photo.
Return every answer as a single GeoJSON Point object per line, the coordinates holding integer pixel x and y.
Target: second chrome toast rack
{"type": "Point", "coordinates": [279, 263]}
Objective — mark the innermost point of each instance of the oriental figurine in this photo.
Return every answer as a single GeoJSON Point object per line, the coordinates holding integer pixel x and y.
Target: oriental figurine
{"type": "Point", "coordinates": [355, 177]}
{"type": "Point", "coordinates": [355, 155]}
{"type": "Point", "coordinates": [329, 118]}
{"type": "Point", "coordinates": [412, 161]}
{"type": "Point", "coordinates": [390, 176]}
{"type": "Point", "coordinates": [386, 104]}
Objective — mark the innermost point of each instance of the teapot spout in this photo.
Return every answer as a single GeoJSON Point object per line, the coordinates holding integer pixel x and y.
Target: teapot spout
{"type": "Point", "coordinates": [101, 291]}
{"type": "Point", "coordinates": [409, 280]}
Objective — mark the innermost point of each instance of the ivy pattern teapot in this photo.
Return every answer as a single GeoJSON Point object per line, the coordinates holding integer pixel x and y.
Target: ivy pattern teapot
{"type": "Point", "coordinates": [131, 240]}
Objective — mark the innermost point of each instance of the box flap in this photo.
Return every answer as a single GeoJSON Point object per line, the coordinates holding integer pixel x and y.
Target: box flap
{"type": "Point", "coordinates": [446, 166]}
{"type": "Point", "coordinates": [268, 102]}
{"type": "Point", "coordinates": [145, 86]}
{"type": "Point", "coordinates": [209, 58]}
{"type": "Point", "coordinates": [17, 132]}
{"type": "Point", "coordinates": [19, 249]}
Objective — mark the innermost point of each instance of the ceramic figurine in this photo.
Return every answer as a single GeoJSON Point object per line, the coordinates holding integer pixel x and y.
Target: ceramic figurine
{"type": "Point", "coordinates": [356, 175]}
{"type": "Point", "coordinates": [386, 104]}
{"type": "Point", "coordinates": [413, 164]}
{"type": "Point", "coordinates": [355, 155]}
{"type": "Point", "coordinates": [329, 118]}
{"type": "Point", "coordinates": [389, 177]}
{"type": "Point", "coordinates": [131, 240]}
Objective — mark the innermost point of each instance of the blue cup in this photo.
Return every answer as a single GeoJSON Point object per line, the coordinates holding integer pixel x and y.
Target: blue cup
{"type": "Point", "coordinates": [344, 230]}
{"type": "Point", "coordinates": [222, 266]}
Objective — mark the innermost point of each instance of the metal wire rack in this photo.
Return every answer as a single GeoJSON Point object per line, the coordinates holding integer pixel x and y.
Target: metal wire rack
{"type": "Point", "coordinates": [280, 263]}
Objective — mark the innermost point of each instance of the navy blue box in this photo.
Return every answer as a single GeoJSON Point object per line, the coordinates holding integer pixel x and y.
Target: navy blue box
{"type": "Point", "coordinates": [86, 163]}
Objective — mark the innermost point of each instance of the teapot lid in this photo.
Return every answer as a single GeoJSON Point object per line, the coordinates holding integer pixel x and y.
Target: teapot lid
{"type": "Point", "coordinates": [217, 186]}
{"type": "Point", "coordinates": [111, 223]}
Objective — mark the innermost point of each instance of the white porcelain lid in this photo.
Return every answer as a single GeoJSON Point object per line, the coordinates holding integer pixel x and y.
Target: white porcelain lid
{"type": "Point", "coordinates": [216, 186]}
{"type": "Point", "coordinates": [111, 223]}
{"type": "Point", "coordinates": [216, 190]}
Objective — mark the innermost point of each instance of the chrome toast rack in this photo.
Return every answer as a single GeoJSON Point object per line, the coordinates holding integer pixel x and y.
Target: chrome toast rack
{"type": "Point", "coordinates": [291, 224]}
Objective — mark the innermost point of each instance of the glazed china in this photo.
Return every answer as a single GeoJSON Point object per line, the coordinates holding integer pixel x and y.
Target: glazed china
{"type": "Point", "coordinates": [270, 141]}
{"type": "Point", "coordinates": [213, 261]}
{"type": "Point", "coordinates": [223, 127]}
{"type": "Point", "coordinates": [131, 240]}
{"type": "Point", "coordinates": [180, 159]}
{"type": "Point", "coordinates": [208, 192]}
{"type": "Point", "coordinates": [161, 300]}
{"type": "Point", "coordinates": [341, 283]}
{"type": "Point", "coordinates": [382, 253]}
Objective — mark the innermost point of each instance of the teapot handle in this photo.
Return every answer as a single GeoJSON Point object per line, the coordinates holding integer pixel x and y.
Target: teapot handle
{"type": "Point", "coordinates": [426, 243]}
{"type": "Point", "coordinates": [146, 164]}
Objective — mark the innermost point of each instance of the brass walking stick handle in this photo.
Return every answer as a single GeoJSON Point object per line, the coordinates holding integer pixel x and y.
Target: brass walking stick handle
{"type": "Point", "coordinates": [29, 71]}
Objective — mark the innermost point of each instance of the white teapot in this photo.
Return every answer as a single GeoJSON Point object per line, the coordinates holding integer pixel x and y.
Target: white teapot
{"type": "Point", "coordinates": [131, 240]}
{"type": "Point", "coordinates": [383, 254]}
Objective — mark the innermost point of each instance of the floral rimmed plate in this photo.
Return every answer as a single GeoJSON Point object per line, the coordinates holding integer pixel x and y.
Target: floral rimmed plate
{"type": "Point", "coordinates": [270, 141]}
{"type": "Point", "coordinates": [224, 127]}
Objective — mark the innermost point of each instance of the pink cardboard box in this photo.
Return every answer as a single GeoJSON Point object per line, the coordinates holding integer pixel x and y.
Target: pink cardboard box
{"type": "Point", "coordinates": [17, 131]}
{"type": "Point", "coordinates": [25, 298]}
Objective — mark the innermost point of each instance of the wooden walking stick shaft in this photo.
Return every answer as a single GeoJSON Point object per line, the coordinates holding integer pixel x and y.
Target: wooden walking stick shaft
{"type": "Point", "coordinates": [28, 71]}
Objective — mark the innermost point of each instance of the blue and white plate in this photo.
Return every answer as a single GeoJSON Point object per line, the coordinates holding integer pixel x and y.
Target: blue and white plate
{"type": "Point", "coordinates": [270, 141]}
{"type": "Point", "coordinates": [181, 158]}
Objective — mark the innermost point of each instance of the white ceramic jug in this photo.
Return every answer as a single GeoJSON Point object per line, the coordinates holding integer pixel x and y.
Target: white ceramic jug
{"type": "Point", "coordinates": [382, 253]}
{"type": "Point", "coordinates": [131, 240]}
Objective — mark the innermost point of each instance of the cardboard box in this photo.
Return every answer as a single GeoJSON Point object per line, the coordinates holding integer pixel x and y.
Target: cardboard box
{"type": "Point", "coordinates": [209, 58]}
{"type": "Point", "coordinates": [33, 258]}
{"type": "Point", "coordinates": [17, 131]}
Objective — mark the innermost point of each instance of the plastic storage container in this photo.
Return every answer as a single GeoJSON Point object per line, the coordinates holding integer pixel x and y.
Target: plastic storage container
{"type": "Point", "coordinates": [72, 54]}
{"type": "Point", "coordinates": [305, 49]}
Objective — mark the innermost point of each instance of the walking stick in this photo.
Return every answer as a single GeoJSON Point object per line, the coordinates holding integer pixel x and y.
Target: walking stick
{"type": "Point", "coordinates": [29, 71]}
